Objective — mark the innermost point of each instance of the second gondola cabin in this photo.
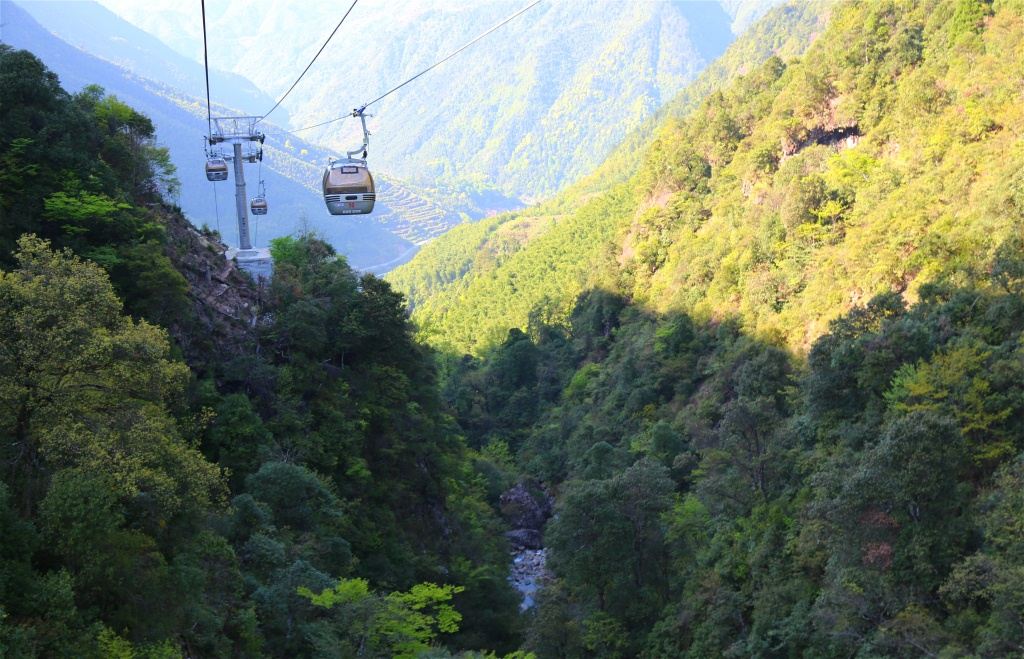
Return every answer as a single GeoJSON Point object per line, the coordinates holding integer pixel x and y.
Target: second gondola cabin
{"type": "Point", "coordinates": [348, 188]}
{"type": "Point", "coordinates": [258, 205]}
{"type": "Point", "coordinates": [216, 169]}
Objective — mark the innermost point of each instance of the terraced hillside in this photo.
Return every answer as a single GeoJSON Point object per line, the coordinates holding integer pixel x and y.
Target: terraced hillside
{"type": "Point", "coordinates": [415, 218]}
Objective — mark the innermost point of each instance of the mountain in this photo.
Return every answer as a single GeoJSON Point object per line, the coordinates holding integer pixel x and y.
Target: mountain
{"type": "Point", "coordinates": [112, 39]}
{"type": "Point", "coordinates": [774, 378]}
{"type": "Point", "coordinates": [744, 13]}
{"type": "Point", "coordinates": [785, 33]}
{"type": "Point", "coordinates": [468, 288]}
{"type": "Point", "coordinates": [531, 108]}
{"type": "Point", "coordinates": [793, 195]}
{"type": "Point", "coordinates": [752, 388]}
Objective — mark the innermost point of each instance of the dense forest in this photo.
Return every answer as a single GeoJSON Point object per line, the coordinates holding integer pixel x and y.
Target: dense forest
{"type": "Point", "coordinates": [771, 375]}
{"type": "Point", "coordinates": [721, 496]}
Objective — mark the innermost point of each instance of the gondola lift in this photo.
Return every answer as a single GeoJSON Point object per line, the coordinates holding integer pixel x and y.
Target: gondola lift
{"type": "Point", "coordinates": [347, 183]}
{"type": "Point", "coordinates": [216, 167]}
{"type": "Point", "coordinates": [258, 205]}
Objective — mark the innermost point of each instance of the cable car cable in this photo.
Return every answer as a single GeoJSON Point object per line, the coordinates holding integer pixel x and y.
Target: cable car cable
{"type": "Point", "coordinates": [206, 68]}
{"type": "Point", "coordinates": [216, 209]}
{"type": "Point", "coordinates": [426, 70]}
{"type": "Point", "coordinates": [280, 100]}
{"type": "Point", "coordinates": [507, 20]}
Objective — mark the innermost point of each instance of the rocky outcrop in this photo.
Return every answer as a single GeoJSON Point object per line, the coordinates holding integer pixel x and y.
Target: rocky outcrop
{"type": "Point", "coordinates": [526, 506]}
{"type": "Point", "coordinates": [528, 573]}
{"type": "Point", "coordinates": [225, 301]}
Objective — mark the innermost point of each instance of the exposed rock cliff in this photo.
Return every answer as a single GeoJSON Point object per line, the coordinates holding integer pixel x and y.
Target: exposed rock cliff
{"type": "Point", "coordinates": [225, 301]}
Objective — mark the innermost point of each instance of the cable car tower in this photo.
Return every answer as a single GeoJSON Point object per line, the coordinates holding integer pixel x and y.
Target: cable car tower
{"type": "Point", "coordinates": [239, 132]}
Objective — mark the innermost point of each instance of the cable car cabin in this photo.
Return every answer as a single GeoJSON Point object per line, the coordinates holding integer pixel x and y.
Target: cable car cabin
{"type": "Point", "coordinates": [348, 188]}
{"type": "Point", "coordinates": [258, 206]}
{"type": "Point", "coordinates": [216, 169]}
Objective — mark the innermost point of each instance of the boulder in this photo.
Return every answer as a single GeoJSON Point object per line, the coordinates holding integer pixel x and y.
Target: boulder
{"type": "Point", "coordinates": [525, 507]}
{"type": "Point", "coordinates": [525, 539]}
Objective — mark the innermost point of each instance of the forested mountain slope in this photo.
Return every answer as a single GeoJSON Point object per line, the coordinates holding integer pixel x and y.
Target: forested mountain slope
{"type": "Point", "coordinates": [535, 106]}
{"type": "Point", "coordinates": [785, 32]}
{"type": "Point", "coordinates": [880, 160]}
{"type": "Point", "coordinates": [476, 263]}
{"type": "Point", "coordinates": [775, 381]}
{"type": "Point", "coordinates": [746, 12]}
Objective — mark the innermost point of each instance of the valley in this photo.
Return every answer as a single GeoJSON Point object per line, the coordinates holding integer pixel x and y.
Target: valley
{"type": "Point", "coordinates": [678, 330]}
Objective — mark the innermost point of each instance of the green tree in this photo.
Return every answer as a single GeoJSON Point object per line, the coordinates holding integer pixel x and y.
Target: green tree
{"type": "Point", "coordinates": [83, 386]}
{"type": "Point", "coordinates": [398, 624]}
{"type": "Point", "coordinates": [608, 539]}
{"type": "Point", "coordinates": [91, 449]}
{"type": "Point", "coordinates": [901, 513]}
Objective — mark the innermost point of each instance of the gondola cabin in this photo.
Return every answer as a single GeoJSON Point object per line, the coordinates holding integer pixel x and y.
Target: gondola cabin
{"type": "Point", "coordinates": [216, 169]}
{"type": "Point", "coordinates": [258, 205]}
{"type": "Point", "coordinates": [348, 188]}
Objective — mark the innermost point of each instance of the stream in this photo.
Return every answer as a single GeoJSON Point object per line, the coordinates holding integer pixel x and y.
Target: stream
{"type": "Point", "coordinates": [527, 574]}
{"type": "Point", "coordinates": [526, 507]}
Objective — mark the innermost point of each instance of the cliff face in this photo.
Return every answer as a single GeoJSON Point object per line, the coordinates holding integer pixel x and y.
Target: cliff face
{"type": "Point", "coordinates": [225, 301]}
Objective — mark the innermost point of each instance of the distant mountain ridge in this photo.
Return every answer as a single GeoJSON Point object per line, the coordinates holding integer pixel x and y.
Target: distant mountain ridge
{"type": "Point", "coordinates": [110, 38]}
{"type": "Point", "coordinates": [535, 106]}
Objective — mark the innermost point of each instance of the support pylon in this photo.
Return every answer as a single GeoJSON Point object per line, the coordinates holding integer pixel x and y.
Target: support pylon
{"type": "Point", "coordinates": [238, 131]}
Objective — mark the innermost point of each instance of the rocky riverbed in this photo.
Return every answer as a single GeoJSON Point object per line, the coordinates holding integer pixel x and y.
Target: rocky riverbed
{"type": "Point", "coordinates": [528, 573]}
{"type": "Point", "coordinates": [526, 508]}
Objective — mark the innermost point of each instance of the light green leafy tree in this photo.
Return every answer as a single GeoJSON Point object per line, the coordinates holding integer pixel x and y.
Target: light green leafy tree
{"type": "Point", "coordinates": [85, 386]}
{"type": "Point", "coordinates": [399, 624]}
